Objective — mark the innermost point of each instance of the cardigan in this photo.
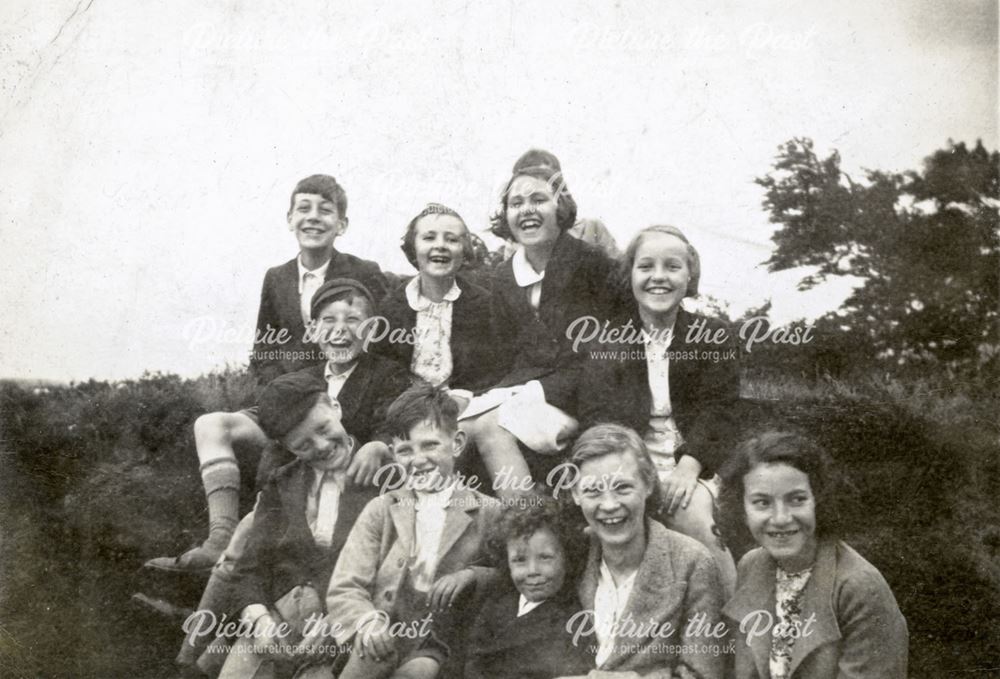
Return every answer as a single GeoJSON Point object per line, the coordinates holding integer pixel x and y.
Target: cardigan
{"type": "Point", "coordinates": [858, 630]}
{"type": "Point", "coordinates": [578, 282]}
{"type": "Point", "coordinates": [280, 311]}
{"type": "Point", "coordinates": [609, 382]}
{"type": "Point", "coordinates": [677, 589]}
{"type": "Point", "coordinates": [472, 353]}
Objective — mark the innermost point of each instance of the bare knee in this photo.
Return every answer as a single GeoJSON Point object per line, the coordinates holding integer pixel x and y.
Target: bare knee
{"type": "Point", "coordinates": [482, 427]}
{"type": "Point", "coordinates": [695, 520]}
{"type": "Point", "coordinates": [211, 427]}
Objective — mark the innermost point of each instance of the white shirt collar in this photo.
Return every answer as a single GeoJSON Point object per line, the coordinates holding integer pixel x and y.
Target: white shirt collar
{"type": "Point", "coordinates": [524, 273]}
{"type": "Point", "coordinates": [335, 382]}
{"type": "Point", "coordinates": [439, 499]}
{"type": "Point", "coordinates": [610, 602]}
{"type": "Point", "coordinates": [524, 606]}
{"type": "Point", "coordinates": [662, 338]}
{"type": "Point", "coordinates": [319, 271]}
{"type": "Point", "coordinates": [418, 302]}
{"type": "Point", "coordinates": [339, 477]}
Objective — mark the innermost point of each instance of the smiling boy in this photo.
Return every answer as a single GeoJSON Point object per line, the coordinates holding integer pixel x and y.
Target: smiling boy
{"type": "Point", "coordinates": [359, 386]}
{"type": "Point", "coordinates": [413, 550]}
{"type": "Point", "coordinates": [299, 526]}
{"type": "Point", "coordinates": [317, 215]}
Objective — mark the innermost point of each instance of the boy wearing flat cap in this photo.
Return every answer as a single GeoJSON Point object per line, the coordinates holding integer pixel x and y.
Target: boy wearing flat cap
{"type": "Point", "coordinates": [301, 521]}
{"type": "Point", "coordinates": [359, 385]}
{"type": "Point", "coordinates": [317, 215]}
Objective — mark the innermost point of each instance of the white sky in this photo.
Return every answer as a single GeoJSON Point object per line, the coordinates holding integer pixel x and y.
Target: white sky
{"type": "Point", "coordinates": [147, 150]}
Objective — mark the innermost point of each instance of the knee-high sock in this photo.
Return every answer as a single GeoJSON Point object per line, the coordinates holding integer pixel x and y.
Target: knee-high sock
{"type": "Point", "coordinates": [222, 490]}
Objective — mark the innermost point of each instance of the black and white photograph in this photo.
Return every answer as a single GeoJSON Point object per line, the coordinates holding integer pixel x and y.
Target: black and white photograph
{"type": "Point", "coordinates": [503, 340]}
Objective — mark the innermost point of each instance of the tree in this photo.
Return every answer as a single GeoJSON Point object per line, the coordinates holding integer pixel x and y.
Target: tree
{"type": "Point", "coordinates": [926, 244]}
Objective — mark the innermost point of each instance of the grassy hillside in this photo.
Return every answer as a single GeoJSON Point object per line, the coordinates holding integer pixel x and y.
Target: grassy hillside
{"type": "Point", "coordinates": [98, 477]}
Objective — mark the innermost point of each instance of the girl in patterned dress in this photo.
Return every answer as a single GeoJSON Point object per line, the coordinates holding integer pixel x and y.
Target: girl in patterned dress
{"type": "Point", "coordinates": [806, 604]}
{"type": "Point", "coordinates": [438, 323]}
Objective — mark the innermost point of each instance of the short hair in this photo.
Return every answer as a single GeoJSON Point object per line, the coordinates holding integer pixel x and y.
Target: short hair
{"type": "Point", "coordinates": [628, 260]}
{"type": "Point", "coordinates": [408, 244]}
{"type": "Point", "coordinates": [536, 158]}
{"type": "Point", "coordinates": [341, 289]}
{"type": "Point", "coordinates": [782, 447]}
{"type": "Point", "coordinates": [322, 185]}
{"type": "Point", "coordinates": [422, 402]}
{"type": "Point", "coordinates": [611, 439]}
{"type": "Point", "coordinates": [565, 205]}
{"type": "Point", "coordinates": [524, 516]}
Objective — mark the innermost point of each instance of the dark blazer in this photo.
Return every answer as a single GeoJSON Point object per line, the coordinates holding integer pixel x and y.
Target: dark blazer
{"type": "Point", "coordinates": [280, 310]}
{"type": "Point", "coordinates": [704, 393]}
{"type": "Point", "coordinates": [537, 645]}
{"type": "Point", "coordinates": [858, 629]}
{"type": "Point", "coordinates": [472, 352]}
{"type": "Point", "coordinates": [578, 282]}
{"type": "Point", "coordinates": [280, 552]}
{"type": "Point", "coordinates": [677, 583]}
{"type": "Point", "coordinates": [367, 394]}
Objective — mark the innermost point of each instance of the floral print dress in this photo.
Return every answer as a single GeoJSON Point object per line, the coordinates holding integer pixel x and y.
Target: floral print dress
{"type": "Point", "coordinates": [788, 613]}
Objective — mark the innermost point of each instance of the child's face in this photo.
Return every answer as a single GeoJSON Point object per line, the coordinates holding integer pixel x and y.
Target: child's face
{"type": "Point", "coordinates": [537, 565]}
{"type": "Point", "coordinates": [612, 496]}
{"type": "Point", "coordinates": [428, 456]}
{"type": "Point", "coordinates": [320, 439]}
{"type": "Point", "coordinates": [338, 327]}
{"type": "Point", "coordinates": [660, 272]}
{"type": "Point", "coordinates": [781, 513]}
{"type": "Point", "coordinates": [315, 221]}
{"type": "Point", "coordinates": [439, 245]}
{"type": "Point", "coordinates": [531, 211]}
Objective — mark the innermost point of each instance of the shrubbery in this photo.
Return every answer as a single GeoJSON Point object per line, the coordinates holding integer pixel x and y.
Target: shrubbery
{"type": "Point", "coordinates": [98, 477]}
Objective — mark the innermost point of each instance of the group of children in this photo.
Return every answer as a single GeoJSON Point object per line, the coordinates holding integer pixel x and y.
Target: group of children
{"type": "Point", "coordinates": [368, 553]}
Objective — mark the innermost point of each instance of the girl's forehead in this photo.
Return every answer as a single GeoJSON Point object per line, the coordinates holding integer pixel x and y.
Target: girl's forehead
{"type": "Point", "coordinates": [614, 467]}
{"type": "Point", "coordinates": [525, 185]}
{"type": "Point", "coordinates": [656, 244]}
{"type": "Point", "coordinates": [775, 477]}
{"type": "Point", "coordinates": [440, 222]}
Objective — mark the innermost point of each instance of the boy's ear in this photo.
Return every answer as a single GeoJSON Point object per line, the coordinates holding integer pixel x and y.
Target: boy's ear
{"type": "Point", "coordinates": [574, 491]}
{"type": "Point", "coordinates": [342, 225]}
{"type": "Point", "coordinates": [458, 442]}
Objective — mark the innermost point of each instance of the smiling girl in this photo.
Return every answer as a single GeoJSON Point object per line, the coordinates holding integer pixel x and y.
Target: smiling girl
{"type": "Point", "coordinates": [809, 605]}
{"type": "Point", "coordinates": [552, 280]}
{"type": "Point", "coordinates": [673, 378]}
{"type": "Point", "coordinates": [438, 324]}
{"type": "Point", "coordinates": [639, 574]}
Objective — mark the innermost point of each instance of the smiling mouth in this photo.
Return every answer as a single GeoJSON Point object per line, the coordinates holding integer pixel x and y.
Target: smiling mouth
{"type": "Point", "coordinates": [312, 231]}
{"type": "Point", "coordinates": [781, 534]}
{"type": "Point", "coordinates": [659, 290]}
{"type": "Point", "coordinates": [530, 224]}
{"type": "Point", "coordinates": [439, 259]}
{"type": "Point", "coordinates": [612, 523]}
